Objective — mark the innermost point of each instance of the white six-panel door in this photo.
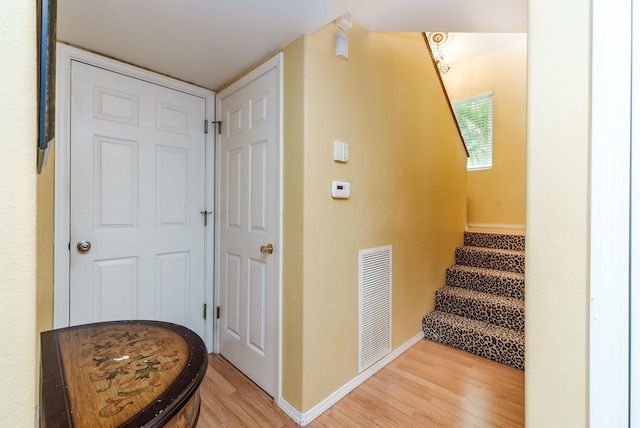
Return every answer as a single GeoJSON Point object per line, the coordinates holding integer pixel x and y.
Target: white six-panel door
{"type": "Point", "coordinates": [248, 162]}
{"type": "Point", "coordinates": [137, 189]}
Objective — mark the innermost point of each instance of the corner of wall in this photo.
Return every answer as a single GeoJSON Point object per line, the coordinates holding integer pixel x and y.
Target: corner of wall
{"type": "Point", "coordinates": [293, 194]}
{"type": "Point", "coordinates": [407, 171]}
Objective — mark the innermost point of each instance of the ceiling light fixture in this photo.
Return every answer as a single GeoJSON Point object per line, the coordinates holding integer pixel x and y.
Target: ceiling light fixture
{"type": "Point", "coordinates": [437, 41]}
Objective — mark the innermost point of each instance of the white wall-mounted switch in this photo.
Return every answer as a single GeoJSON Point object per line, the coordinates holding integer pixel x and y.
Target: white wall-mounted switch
{"type": "Point", "coordinates": [340, 190]}
{"type": "Point", "coordinates": [340, 151]}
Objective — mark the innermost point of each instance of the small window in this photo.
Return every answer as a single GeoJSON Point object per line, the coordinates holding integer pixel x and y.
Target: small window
{"type": "Point", "coordinates": [475, 118]}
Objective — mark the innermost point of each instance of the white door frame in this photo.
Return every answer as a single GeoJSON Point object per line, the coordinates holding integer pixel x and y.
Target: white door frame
{"type": "Point", "coordinates": [634, 306]}
{"type": "Point", "coordinates": [65, 55]}
{"type": "Point", "coordinates": [274, 62]}
{"type": "Point", "coordinates": [613, 129]}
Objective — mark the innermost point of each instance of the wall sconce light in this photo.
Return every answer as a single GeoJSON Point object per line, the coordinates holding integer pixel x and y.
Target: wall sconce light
{"type": "Point", "coordinates": [344, 23]}
{"type": "Point", "coordinates": [342, 46]}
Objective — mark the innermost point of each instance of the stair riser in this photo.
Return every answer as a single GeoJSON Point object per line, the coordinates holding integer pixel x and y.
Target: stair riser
{"type": "Point", "coordinates": [487, 240]}
{"type": "Point", "coordinates": [502, 350]}
{"type": "Point", "coordinates": [486, 283]}
{"type": "Point", "coordinates": [488, 311]}
{"type": "Point", "coordinates": [470, 256]}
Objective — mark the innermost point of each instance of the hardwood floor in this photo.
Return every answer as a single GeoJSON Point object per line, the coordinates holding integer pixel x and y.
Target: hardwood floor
{"type": "Point", "coordinates": [430, 385]}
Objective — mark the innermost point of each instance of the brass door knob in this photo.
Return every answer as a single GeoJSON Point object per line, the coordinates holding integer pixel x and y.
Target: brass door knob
{"type": "Point", "coordinates": [266, 249]}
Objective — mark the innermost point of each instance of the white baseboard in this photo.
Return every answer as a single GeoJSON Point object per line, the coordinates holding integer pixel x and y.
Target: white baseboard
{"type": "Point", "coordinates": [291, 411]}
{"type": "Point", "coordinates": [305, 418]}
{"type": "Point", "coordinates": [509, 229]}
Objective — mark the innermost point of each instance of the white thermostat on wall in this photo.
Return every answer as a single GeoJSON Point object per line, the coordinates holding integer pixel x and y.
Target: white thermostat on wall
{"type": "Point", "coordinates": [340, 190]}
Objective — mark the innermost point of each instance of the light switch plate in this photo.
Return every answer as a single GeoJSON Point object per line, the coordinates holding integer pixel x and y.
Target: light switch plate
{"type": "Point", "coordinates": [340, 151]}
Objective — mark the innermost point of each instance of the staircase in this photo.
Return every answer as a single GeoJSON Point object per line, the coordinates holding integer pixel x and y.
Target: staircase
{"type": "Point", "coordinates": [481, 307]}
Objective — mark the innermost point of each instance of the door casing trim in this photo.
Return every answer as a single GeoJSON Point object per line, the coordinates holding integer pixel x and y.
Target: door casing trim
{"type": "Point", "coordinates": [65, 55]}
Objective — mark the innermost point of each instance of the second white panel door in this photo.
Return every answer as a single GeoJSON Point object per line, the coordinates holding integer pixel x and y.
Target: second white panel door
{"type": "Point", "coordinates": [248, 224]}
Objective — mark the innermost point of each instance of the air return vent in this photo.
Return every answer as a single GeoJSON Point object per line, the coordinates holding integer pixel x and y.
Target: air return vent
{"type": "Point", "coordinates": [374, 315]}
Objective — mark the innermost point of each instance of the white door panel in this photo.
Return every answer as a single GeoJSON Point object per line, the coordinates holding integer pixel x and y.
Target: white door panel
{"type": "Point", "coordinates": [136, 194]}
{"type": "Point", "coordinates": [249, 220]}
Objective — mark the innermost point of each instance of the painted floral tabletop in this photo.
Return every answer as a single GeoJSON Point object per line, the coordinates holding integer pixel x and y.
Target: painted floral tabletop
{"type": "Point", "coordinates": [113, 372]}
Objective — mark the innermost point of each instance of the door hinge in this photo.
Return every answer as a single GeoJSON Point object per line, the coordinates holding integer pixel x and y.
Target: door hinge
{"type": "Point", "coordinates": [206, 126]}
{"type": "Point", "coordinates": [218, 313]}
{"type": "Point", "coordinates": [204, 311]}
{"type": "Point", "coordinates": [218, 124]}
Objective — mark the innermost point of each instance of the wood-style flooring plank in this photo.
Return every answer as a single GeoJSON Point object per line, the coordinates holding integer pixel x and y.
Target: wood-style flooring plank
{"type": "Point", "coordinates": [238, 402]}
{"type": "Point", "coordinates": [430, 385]}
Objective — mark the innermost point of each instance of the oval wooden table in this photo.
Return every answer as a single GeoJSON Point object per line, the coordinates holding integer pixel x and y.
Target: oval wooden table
{"type": "Point", "coordinates": [121, 374]}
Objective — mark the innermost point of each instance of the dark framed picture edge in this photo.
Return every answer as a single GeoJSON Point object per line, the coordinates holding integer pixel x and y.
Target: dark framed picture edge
{"type": "Point", "coordinates": [46, 22]}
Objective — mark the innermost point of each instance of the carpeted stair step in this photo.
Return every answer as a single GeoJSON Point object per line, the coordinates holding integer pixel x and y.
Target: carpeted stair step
{"type": "Point", "coordinates": [491, 258]}
{"type": "Point", "coordinates": [502, 311]}
{"type": "Point", "coordinates": [491, 240]}
{"type": "Point", "coordinates": [487, 340]}
{"type": "Point", "coordinates": [508, 284]}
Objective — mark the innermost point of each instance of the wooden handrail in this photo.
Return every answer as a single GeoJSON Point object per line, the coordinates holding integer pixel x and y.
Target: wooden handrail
{"type": "Point", "coordinates": [444, 90]}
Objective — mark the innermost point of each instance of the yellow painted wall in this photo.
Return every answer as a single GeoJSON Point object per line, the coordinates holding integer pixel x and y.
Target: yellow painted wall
{"type": "Point", "coordinates": [44, 251]}
{"type": "Point", "coordinates": [407, 170]}
{"type": "Point", "coordinates": [497, 195]}
{"type": "Point", "coordinates": [18, 136]}
{"type": "Point", "coordinates": [557, 266]}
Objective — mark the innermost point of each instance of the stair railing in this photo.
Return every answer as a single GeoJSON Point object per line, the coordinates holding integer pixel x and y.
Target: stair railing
{"type": "Point", "coordinates": [444, 90]}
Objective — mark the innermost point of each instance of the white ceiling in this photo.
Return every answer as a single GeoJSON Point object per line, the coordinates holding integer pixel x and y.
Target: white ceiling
{"type": "Point", "coordinates": [467, 45]}
{"type": "Point", "coordinates": [210, 42]}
